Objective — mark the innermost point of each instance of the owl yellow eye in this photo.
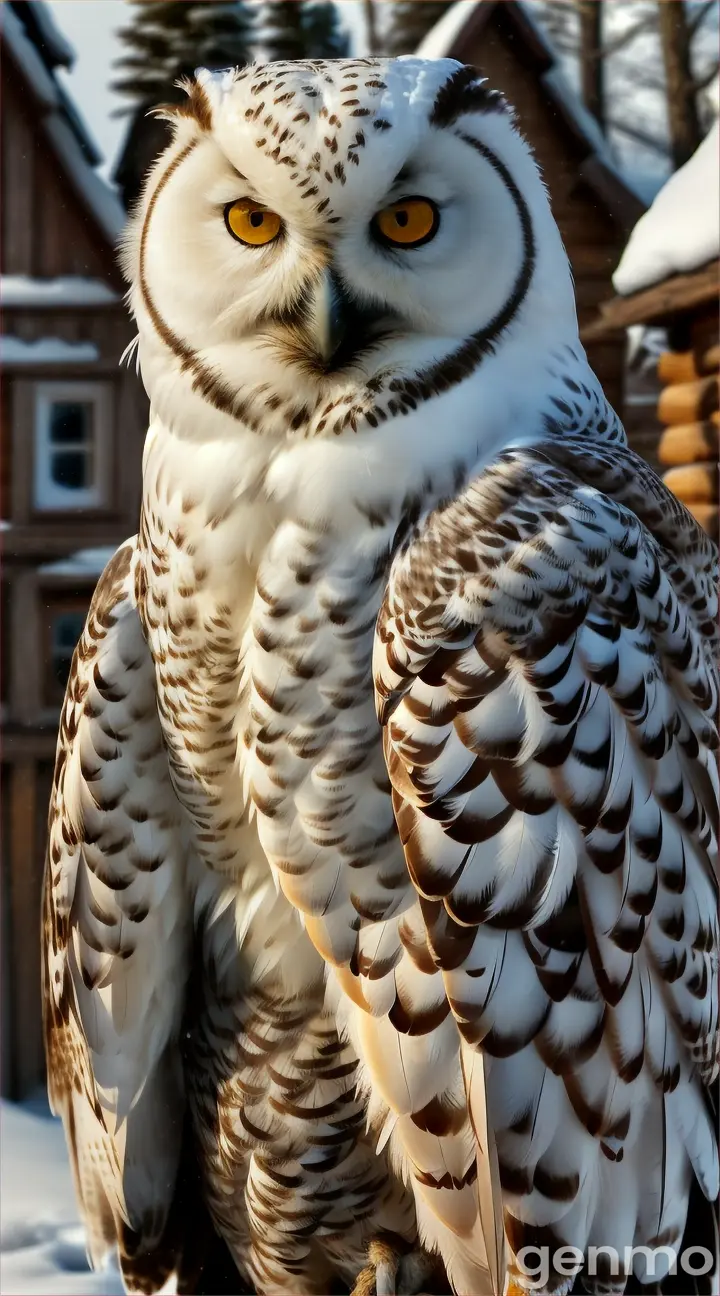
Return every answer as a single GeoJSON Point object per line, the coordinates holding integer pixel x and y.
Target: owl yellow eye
{"type": "Point", "coordinates": [407, 223]}
{"type": "Point", "coordinates": [252, 223]}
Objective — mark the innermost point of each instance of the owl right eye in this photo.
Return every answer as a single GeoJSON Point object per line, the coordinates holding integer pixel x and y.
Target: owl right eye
{"type": "Point", "coordinates": [251, 223]}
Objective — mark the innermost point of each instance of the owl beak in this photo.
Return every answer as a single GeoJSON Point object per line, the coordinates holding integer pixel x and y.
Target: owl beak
{"type": "Point", "coordinates": [328, 316]}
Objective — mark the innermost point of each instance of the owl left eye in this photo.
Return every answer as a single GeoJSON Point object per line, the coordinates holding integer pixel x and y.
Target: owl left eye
{"type": "Point", "coordinates": [407, 223]}
{"type": "Point", "coordinates": [251, 223]}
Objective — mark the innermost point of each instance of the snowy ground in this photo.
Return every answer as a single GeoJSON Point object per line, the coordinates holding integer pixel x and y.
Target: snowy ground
{"type": "Point", "coordinates": [42, 1246]}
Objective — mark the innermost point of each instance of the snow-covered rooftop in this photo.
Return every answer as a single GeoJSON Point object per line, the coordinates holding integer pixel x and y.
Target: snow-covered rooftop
{"type": "Point", "coordinates": [443, 35]}
{"type": "Point", "coordinates": [681, 230]}
{"type": "Point", "coordinates": [15, 350]}
{"type": "Point", "coordinates": [66, 290]}
{"type": "Point", "coordinates": [62, 123]}
{"type": "Point", "coordinates": [86, 562]}
{"type": "Point", "coordinates": [55, 48]}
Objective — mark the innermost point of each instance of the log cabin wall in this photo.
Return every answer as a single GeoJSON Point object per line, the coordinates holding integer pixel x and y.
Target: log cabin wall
{"type": "Point", "coordinates": [52, 238]}
{"type": "Point", "coordinates": [687, 421]}
{"type": "Point", "coordinates": [688, 409]}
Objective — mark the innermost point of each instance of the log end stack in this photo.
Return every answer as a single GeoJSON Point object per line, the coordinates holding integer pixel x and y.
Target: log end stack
{"type": "Point", "coordinates": [688, 409]}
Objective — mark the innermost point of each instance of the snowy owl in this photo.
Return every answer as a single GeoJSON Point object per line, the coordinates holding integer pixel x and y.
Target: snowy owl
{"type": "Point", "coordinates": [381, 886]}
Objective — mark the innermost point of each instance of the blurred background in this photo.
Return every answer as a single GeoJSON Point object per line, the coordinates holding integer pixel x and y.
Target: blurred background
{"type": "Point", "coordinates": [619, 100]}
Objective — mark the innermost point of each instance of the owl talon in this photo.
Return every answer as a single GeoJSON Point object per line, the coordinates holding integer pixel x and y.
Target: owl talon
{"type": "Point", "coordinates": [378, 1277]}
{"type": "Point", "coordinates": [391, 1273]}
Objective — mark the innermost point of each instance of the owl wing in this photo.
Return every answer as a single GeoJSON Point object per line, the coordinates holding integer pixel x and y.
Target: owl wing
{"type": "Point", "coordinates": [115, 943]}
{"type": "Point", "coordinates": [546, 678]}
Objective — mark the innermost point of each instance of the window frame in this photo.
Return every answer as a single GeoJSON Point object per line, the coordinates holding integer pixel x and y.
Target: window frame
{"type": "Point", "coordinates": [47, 496]}
{"type": "Point", "coordinates": [54, 602]}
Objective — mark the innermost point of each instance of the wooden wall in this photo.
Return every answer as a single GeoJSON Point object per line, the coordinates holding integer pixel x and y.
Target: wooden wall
{"type": "Point", "coordinates": [26, 794]}
{"type": "Point", "coordinates": [45, 230]}
{"type": "Point", "coordinates": [688, 410]}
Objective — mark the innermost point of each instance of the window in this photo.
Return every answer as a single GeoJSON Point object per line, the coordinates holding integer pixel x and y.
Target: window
{"type": "Point", "coordinates": [66, 629]}
{"type": "Point", "coordinates": [64, 617]}
{"type": "Point", "coordinates": [71, 445]}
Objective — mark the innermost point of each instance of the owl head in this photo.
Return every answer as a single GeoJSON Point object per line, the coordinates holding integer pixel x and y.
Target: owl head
{"type": "Point", "coordinates": [326, 243]}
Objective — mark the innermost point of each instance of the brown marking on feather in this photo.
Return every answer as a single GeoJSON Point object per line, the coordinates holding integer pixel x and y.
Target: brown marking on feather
{"type": "Point", "coordinates": [441, 1118]}
{"type": "Point", "coordinates": [409, 1021]}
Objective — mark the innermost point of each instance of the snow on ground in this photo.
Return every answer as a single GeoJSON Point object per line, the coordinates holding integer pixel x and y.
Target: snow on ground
{"type": "Point", "coordinates": [42, 1244]}
{"type": "Point", "coordinates": [681, 231]}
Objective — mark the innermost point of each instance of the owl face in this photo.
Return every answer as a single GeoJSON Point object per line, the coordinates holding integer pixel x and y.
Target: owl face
{"type": "Point", "coordinates": [319, 230]}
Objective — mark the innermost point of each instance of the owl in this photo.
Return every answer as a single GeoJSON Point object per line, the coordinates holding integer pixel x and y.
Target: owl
{"type": "Point", "coordinates": [381, 899]}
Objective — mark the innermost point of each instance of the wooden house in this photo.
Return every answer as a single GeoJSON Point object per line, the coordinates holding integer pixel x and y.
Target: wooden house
{"type": "Point", "coordinates": [592, 204]}
{"type": "Point", "coordinates": [73, 423]}
{"type": "Point", "coordinates": [669, 277]}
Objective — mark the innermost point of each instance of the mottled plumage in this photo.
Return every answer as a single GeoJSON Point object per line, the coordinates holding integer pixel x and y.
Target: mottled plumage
{"type": "Point", "coordinates": [382, 875]}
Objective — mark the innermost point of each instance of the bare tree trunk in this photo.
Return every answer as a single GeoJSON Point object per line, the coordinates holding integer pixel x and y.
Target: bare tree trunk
{"type": "Point", "coordinates": [685, 134]}
{"type": "Point", "coordinates": [591, 58]}
{"type": "Point", "coordinates": [371, 26]}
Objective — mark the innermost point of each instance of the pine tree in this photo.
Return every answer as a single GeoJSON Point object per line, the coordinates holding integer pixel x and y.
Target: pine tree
{"type": "Point", "coordinates": [410, 21]}
{"type": "Point", "coordinates": [296, 29]}
{"type": "Point", "coordinates": [168, 39]}
{"type": "Point", "coordinates": [279, 33]}
{"type": "Point", "coordinates": [324, 37]}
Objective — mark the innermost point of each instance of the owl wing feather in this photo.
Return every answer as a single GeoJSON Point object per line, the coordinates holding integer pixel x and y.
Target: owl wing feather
{"type": "Point", "coordinates": [546, 679]}
{"type": "Point", "coordinates": [115, 945]}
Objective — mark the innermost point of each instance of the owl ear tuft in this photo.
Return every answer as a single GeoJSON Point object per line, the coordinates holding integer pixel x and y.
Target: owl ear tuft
{"type": "Point", "coordinates": [198, 106]}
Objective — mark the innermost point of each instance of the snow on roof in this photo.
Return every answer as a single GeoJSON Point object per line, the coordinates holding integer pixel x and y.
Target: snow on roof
{"type": "Point", "coordinates": [58, 47]}
{"type": "Point", "coordinates": [443, 35]}
{"type": "Point", "coordinates": [66, 290]}
{"type": "Point", "coordinates": [15, 350]}
{"type": "Point", "coordinates": [43, 1244]}
{"type": "Point", "coordinates": [681, 230]}
{"type": "Point", "coordinates": [28, 59]}
{"type": "Point", "coordinates": [86, 562]}
{"type": "Point", "coordinates": [65, 128]}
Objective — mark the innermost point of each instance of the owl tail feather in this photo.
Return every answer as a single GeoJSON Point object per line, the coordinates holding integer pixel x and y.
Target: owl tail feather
{"type": "Point", "coordinates": [488, 1171]}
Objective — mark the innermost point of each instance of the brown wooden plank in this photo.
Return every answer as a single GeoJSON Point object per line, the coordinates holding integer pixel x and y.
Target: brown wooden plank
{"type": "Point", "coordinates": [25, 881]}
{"type": "Point", "coordinates": [18, 161]}
{"type": "Point", "coordinates": [676, 367]}
{"type": "Point", "coordinates": [688, 443]}
{"type": "Point", "coordinates": [708, 362]}
{"type": "Point", "coordinates": [694, 484]}
{"type": "Point", "coordinates": [705, 328]}
{"type": "Point", "coordinates": [658, 305]}
{"type": "Point", "coordinates": [25, 644]}
{"type": "Point", "coordinates": [689, 401]}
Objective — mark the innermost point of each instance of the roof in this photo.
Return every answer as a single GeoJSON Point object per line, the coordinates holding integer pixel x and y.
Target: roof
{"type": "Point", "coordinates": [37, 48]}
{"type": "Point", "coordinates": [465, 22]}
{"type": "Point", "coordinates": [48, 40]}
{"type": "Point", "coordinates": [42, 351]}
{"type": "Point", "coordinates": [65, 290]}
{"type": "Point", "coordinates": [86, 562]}
{"type": "Point", "coordinates": [660, 304]}
{"type": "Point", "coordinates": [681, 230]}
